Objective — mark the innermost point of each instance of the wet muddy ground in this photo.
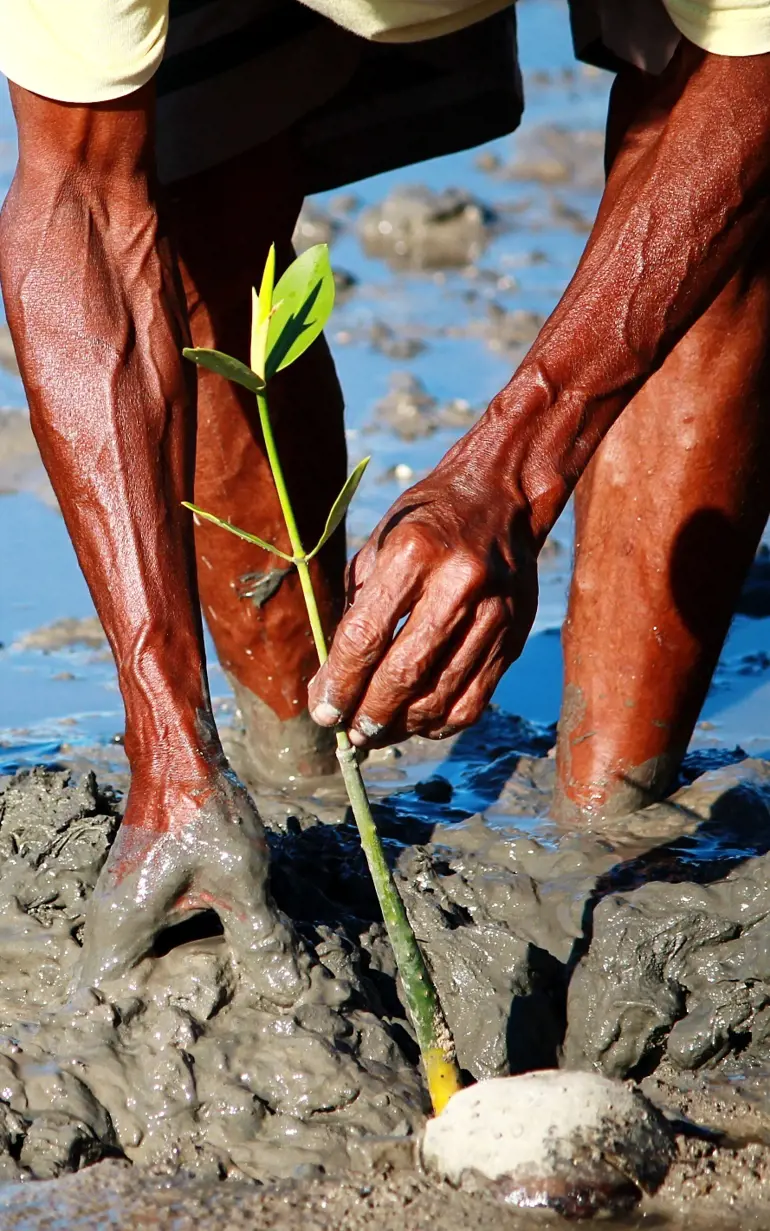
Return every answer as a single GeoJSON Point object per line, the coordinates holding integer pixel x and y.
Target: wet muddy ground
{"type": "Point", "coordinates": [640, 951]}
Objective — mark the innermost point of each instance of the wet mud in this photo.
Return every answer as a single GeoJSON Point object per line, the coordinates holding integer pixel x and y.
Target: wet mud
{"type": "Point", "coordinates": [638, 951]}
{"type": "Point", "coordinates": [410, 412]}
{"type": "Point", "coordinates": [21, 469]}
{"type": "Point", "coordinates": [418, 228]}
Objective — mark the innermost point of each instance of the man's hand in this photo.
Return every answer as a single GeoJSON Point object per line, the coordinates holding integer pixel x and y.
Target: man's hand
{"type": "Point", "coordinates": [688, 193]}
{"type": "Point", "coordinates": [455, 559]}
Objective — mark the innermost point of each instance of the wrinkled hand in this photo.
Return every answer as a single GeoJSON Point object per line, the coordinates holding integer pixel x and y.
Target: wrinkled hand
{"type": "Point", "coordinates": [210, 854]}
{"type": "Point", "coordinates": [455, 557]}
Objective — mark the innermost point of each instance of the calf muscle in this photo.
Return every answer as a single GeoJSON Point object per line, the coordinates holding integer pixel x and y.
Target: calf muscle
{"type": "Point", "coordinates": [94, 307]}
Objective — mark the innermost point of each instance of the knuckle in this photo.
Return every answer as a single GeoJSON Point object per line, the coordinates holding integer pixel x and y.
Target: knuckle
{"type": "Point", "coordinates": [468, 573]}
{"type": "Point", "coordinates": [407, 667]}
{"type": "Point", "coordinates": [385, 695]}
{"type": "Point", "coordinates": [415, 544]}
{"type": "Point", "coordinates": [495, 612]}
{"type": "Point", "coordinates": [360, 567]}
{"type": "Point", "coordinates": [466, 712]}
{"type": "Point", "coordinates": [356, 640]}
{"type": "Point", "coordinates": [422, 718]}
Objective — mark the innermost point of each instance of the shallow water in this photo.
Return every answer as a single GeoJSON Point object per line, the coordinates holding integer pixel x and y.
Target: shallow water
{"type": "Point", "coordinates": [69, 695]}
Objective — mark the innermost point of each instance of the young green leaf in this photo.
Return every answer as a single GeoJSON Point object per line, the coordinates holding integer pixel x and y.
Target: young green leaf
{"type": "Point", "coordinates": [242, 534]}
{"type": "Point", "coordinates": [303, 300]}
{"type": "Point", "coordinates": [340, 506]}
{"type": "Point", "coordinates": [225, 365]}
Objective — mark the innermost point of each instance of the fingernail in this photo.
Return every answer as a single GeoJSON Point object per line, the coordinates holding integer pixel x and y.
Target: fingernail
{"type": "Point", "coordinates": [326, 715]}
{"type": "Point", "coordinates": [369, 728]}
{"type": "Point", "coordinates": [356, 738]}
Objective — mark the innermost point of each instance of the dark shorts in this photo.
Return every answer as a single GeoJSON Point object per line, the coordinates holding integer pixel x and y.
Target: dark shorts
{"type": "Point", "coordinates": [239, 72]}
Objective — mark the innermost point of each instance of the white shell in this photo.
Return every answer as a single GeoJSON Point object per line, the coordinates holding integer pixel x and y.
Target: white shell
{"type": "Point", "coordinates": [530, 1127]}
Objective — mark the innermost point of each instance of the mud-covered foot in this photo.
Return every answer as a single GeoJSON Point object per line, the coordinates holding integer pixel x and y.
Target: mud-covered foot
{"type": "Point", "coordinates": [186, 847]}
{"type": "Point", "coordinates": [294, 753]}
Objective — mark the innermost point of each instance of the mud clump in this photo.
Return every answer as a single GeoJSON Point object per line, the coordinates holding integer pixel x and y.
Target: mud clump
{"type": "Point", "coordinates": [554, 156]}
{"type": "Point", "coordinates": [637, 948]}
{"type": "Point", "coordinates": [509, 332]}
{"type": "Point", "coordinates": [314, 226]}
{"type": "Point", "coordinates": [65, 634]}
{"type": "Point", "coordinates": [175, 1066]}
{"type": "Point", "coordinates": [415, 228]}
{"type": "Point", "coordinates": [8, 360]}
{"type": "Point", "coordinates": [412, 413]}
{"type": "Point", "coordinates": [394, 345]}
{"type": "Point", "coordinates": [679, 960]}
{"type": "Point", "coordinates": [21, 469]}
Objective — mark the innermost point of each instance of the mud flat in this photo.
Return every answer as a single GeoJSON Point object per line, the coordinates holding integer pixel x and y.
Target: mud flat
{"type": "Point", "coordinates": [176, 1099]}
{"type": "Point", "coordinates": [640, 951]}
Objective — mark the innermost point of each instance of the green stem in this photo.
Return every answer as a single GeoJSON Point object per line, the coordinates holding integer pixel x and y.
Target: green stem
{"type": "Point", "coordinates": [280, 483]}
{"type": "Point", "coordinates": [433, 1036]}
{"type": "Point", "coordinates": [421, 996]}
{"type": "Point", "coordinates": [314, 615]}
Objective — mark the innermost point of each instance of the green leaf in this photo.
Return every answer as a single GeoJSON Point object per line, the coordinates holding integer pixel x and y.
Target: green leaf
{"type": "Point", "coordinates": [225, 365]}
{"type": "Point", "coordinates": [242, 534]}
{"type": "Point", "coordinates": [340, 506]}
{"type": "Point", "coordinates": [302, 304]}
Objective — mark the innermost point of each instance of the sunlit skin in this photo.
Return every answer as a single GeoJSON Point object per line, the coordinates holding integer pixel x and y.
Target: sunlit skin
{"type": "Point", "coordinates": [105, 280]}
{"type": "Point", "coordinates": [683, 218]}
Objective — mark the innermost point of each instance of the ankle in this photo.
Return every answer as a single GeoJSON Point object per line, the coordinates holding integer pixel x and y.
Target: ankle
{"type": "Point", "coordinates": [190, 752]}
{"type": "Point", "coordinates": [273, 751]}
{"type": "Point", "coordinates": [611, 790]}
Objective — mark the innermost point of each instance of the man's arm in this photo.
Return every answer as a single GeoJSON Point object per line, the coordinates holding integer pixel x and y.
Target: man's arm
{"type": "Point", "coordinates": [688, 190]}
{"type": "Point", "coordinates": [97, 315]}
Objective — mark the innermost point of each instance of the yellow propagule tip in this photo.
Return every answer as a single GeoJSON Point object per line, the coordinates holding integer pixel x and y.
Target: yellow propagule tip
{"type": "Point", "coordinates": [442, 1077]}
{"type": "Point", "coordinates": [261, 309]}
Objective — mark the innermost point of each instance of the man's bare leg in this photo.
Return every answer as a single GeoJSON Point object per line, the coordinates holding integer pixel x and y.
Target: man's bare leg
{"type": "Point", "coordinates": [226, 221]}
{"type": "Point", "coordinates": [668, 517]}
{"type": "Point", "coordinates": [96, 312]}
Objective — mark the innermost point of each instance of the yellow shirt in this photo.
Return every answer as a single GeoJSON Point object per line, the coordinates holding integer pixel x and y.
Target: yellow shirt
{"type": "Point", "coordinates": [94, 50]}
{"type": "Point", "coordinates": [726, 27]}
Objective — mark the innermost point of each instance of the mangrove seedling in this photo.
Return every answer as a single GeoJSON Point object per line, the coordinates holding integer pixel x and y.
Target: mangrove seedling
{"type": "Point", "coordinates": [286, 319]}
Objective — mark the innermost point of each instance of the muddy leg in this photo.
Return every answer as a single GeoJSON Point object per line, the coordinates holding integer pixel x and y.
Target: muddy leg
{"type": "Point", "coordinates": [668, 518]}
{"type": "Point", "coordinates": [94, 305]}
{"type": "Point", "coordinates": [226, 222]}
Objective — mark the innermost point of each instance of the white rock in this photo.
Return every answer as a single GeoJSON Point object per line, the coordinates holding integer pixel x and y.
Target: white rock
{"type": "Point", "coordinates": [573, 1140]}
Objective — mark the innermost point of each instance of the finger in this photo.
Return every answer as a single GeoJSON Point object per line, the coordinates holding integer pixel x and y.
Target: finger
{"type": "Point", "coordinates": [429, 637]}
{"type": "Point", "coordinates": [469, 707]}
{"type": "Point", "coordinates": [429, 713]}
{"type": "Point", "coordinates": [469, 704]}
{"type": "Point", "coordinates": [364, 634]}
{"type": "Point", "coordinates": [359, 570]}
{"type": "Point", "coordinates": [362, 565]}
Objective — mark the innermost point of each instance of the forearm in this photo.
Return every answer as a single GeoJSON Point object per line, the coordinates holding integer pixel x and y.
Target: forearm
{"type": "Point", "coordinates": [687, 193]}
{"type": "Point", "coordinates": [98, 324]}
